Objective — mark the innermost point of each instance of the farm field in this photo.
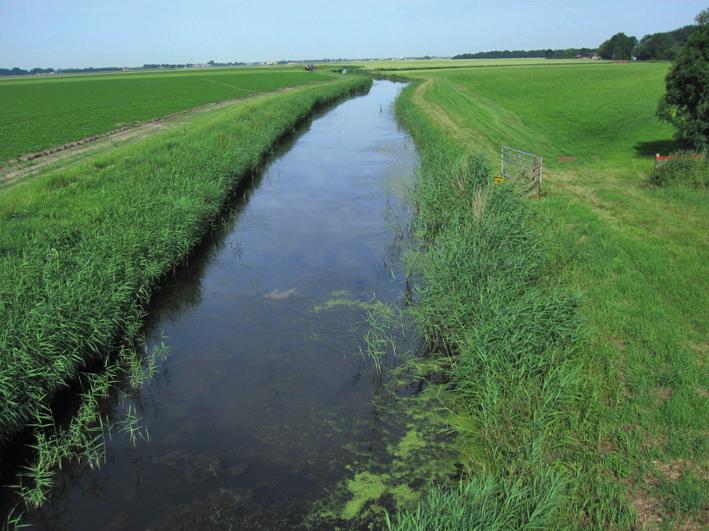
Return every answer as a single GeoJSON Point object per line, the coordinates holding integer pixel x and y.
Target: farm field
{"type": "Point", "coordinates": [630, 384]}
{"type": "Point", "coordinates": [596, 113]}
{"type": "Point", "coordinates": [41, 112]}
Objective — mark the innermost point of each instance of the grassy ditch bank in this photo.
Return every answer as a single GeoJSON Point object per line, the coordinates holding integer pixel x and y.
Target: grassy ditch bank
{"type": "Point", "coordinates": [82, 247]}
{"type": "Point", "coordinates": [633, 248]}
{"type": "Point", "coordinates": [507, 333]}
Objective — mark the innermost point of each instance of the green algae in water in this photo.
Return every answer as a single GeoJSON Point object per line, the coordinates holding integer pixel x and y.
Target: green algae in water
{"type": "Point", "coordinates": [405, 496]}
{"type": "Point", "coordinates": [411, 442]}
{"type": "Point", "coordinates": [428, 443]}
{"type": "Point", "coordinates": [343, 299]}
{"type": "Point", "coordinates": [425, 450]}
{"type": "Point", "coordinates": [365, 487]}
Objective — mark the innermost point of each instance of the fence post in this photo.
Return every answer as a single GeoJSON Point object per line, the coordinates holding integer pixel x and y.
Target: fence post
{"type": "Point", "coordinates": [541, 173]}
{"type": "Point", "coordinates": [502, 161]}
{"type": "Point", "coordinates": [536, 175]}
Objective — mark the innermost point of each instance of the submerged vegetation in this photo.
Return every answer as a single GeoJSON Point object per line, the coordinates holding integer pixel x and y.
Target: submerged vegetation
{"type": "Point", "coordinates": [81, 247]}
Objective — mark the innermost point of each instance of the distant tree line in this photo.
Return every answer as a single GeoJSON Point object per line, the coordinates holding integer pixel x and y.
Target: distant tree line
{"type": "Point", "coordinates": [89, 69]}
{"type": "Point", "coordinates": [22, 72]}
{"type": "Point", "coordinates": [154, 66]}
{"type": "Point", "coordinates": [233, 63]}
{"type": "Point", "coordinates": [567, 53]}
{"type": "Point", "coordinates": [33, 71]}
{"type": "Point", "coordinates": [663, 46]}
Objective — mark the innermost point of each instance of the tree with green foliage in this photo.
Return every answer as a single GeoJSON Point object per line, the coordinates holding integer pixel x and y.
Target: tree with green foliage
{"type": "Point", "coordinates": [656, 46]}
{"type": "Point", "coordinates": [663, 46]}
{"type": "Point", "coordinates": [618, 47]}
{"type": "Point", "coordinates": [686, 102]}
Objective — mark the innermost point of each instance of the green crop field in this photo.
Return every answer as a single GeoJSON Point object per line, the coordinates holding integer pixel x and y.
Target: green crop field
{"type": "Point", "coordinates": [579, 356]}
{"type": "Point", "coordinates": [40, 112]}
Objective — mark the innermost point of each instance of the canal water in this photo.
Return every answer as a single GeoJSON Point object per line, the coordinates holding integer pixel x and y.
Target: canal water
{"type": "Point", "coordinates": [267, 391]}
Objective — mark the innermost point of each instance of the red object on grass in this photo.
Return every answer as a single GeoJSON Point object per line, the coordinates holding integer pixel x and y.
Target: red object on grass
{"type": "Point", "coordinates": [670, 157]}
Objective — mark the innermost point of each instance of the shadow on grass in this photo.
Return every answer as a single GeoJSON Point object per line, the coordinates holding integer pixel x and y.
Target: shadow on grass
{"type": "Point", "coordinates": [663, 147]}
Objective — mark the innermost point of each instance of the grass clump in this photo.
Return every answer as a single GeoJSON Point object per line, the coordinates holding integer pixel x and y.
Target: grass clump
{"type": "Point", "coordinates": [684, 169]}
{"type": "Point", "coordinates": [481, 504]}
{"type": "Point", "coordinates": [485, 303]}
{"type": "Point", "coordinates": [687, 495]}
{"type": "Point", "coordinates": [83, 438]}
{"type": "Point", "coordinates": [82, 247]}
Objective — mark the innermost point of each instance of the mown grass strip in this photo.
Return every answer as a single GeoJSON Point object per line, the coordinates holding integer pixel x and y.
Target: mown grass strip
{"type": "Point", "coordinates": [82, 247]}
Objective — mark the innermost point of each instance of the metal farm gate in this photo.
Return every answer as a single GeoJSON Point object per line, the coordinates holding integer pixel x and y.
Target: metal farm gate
{"type": "Point", "coordinates": [520, 165]}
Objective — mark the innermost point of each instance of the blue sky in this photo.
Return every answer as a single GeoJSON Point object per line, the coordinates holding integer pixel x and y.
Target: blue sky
{"type": "Point", "coordinates": [77, 33]}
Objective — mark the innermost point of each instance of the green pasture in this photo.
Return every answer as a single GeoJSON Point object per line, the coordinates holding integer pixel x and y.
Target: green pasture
{"type": "Point", "coordinates": [40, 112]}
{"type": "Point", "coordinates": [594, 112]}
